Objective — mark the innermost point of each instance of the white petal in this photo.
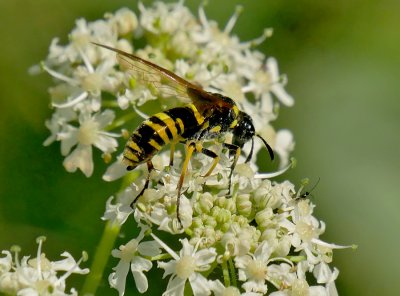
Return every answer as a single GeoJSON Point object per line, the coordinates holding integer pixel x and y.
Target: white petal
{"type": "Point", "coordinates": [186, 212]}
{"type": "Point", "coordinates": [149, 248]}
{"type": "Point", "coordinates": [69, 138]}
{"type": "Point", "coordinates": [200, 285]}
{"type": "Point", "coordinates": [6, 262]}
{"type": "Point", "coordinates": [317, 291]}
{"type": "Point", "coordinates": [140, 281]}
{"type": "Point", "coordinates": [217, 287]}
{"type": "Point", "coordinates": [68, 264]}
{"type": "Point", "coordinates": [276, 86]}
{"type": "Point", "coordinates": [205, 256]}
{"type": "Point", "coordinates": [117, 279]}
{"type": "Point", "coordinates": [106, 143]}
{"type": "Point", "coordinates": [175, 287]}
{"type": "Point", "coordinates": [284, 144]}
{"type": "Point", "coordinates": [115, 171]}
{"type": "Point", "coordinates": [187, 248]}
{"type": "Point", "coordinates": [278, 90]}
{"type": "Point", "coordinates": [169, 267]}
{"type": "Point", "coordinates": [323, 273]}
{"type": "Point", "coordinates": [263, 252]}
{"type": "Point", "coordinates": [140, 264]}
{"type": "Point", "coordinates": [80, 158]}
{"type": "Point", "coordinates": [105, 118]}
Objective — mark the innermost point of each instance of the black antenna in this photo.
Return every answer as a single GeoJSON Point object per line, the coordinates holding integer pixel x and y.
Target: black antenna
{"type": "Point", "coordinates": [271, 153]}
{"type": "Point", "coordinates": [251, 151]}
{"type": "Point", "coordinates": [307, 193]}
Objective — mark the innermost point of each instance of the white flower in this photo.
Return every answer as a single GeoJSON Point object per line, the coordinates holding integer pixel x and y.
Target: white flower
{"type": "Point", "coordinates": [123, 20]}
{"type": "Point", "coordinates": [166, 18]}
{"type": "Point", "coordinates": [242, 216]}
{"type": "Point", "coordinates": [119, 212]}
{"type": "Point", "coordinates": [277, 83]}
{"type": "Point", "coordinates": [220, 290]}
{"type": "Point", "coordinates": [284, 145]}
{"type": "Point", "coordinates": [37, 276]}
{"type": "Point", "coordinates": [131, 258]}
{"type": "Point", "coordinates": [255, 269]}
{"type": "Point", "coordinates": [90, 132]}
{"type": "Point", "coordinates": [87, 81]}
{"type": "Point", "coordinates": [58, 123]}
{"type": "Point", "coordinates": [187, 267]}
{"type": "Point", "coordinates": [324, 275]}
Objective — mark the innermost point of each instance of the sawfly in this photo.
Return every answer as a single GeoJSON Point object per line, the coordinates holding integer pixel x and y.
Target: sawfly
{"type": "Point", "coordinates": [205, 116]}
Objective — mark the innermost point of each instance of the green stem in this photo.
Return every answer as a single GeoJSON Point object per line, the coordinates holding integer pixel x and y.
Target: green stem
{"type": "Point", "coordinates": [109, 103]}
{"type": "Point", "coordinates": [225, 272]}
{"type": "Point", "coordinates": [232, 271]}
{"type": "Point", "coordinates": [100, 259]}
{"type": "Point", "coordinates": [160, 257]}
{"type": "Point", "coordinates": [121, 121]}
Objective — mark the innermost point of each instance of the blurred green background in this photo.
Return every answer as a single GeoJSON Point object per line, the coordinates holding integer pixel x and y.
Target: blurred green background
{"type": "Point", "coordinates": [342, 59]}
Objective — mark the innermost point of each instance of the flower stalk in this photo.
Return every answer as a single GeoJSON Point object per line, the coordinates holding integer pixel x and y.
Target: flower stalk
{"type": "Point", "coordinates": [100, 259]}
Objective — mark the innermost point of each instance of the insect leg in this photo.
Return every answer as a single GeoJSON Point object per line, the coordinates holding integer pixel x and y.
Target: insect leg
{"type": "Point", "coordinates": [190, 148]}
{"type": "Point", "coordinates": [215, 158]}
{"type": "Point", "coordinates": [171, 154]}
{"type": "Point", "coordinates": [234, 149]}
{"type": "Point", "coordinates": [150, 167]}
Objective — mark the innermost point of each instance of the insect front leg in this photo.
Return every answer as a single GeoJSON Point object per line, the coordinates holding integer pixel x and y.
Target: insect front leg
{"type": "Point", "coordinates": [150, 167]}
{"type": "Point", "coordinates": [235, 150]}
{"type": "Point", "coordinates": [190, 148]}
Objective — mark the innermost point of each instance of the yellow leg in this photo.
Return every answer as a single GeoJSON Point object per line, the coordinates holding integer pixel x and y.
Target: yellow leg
{"type": "Point", "coordinates": [171, 154]}
{"type": "Point", "coordinates": [189, 151]}
{"type": "Point", "coordinates": [215, 158]}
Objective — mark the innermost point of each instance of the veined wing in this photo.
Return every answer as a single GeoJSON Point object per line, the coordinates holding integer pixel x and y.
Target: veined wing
{"type": "Point", "coordinates": [167, 83]}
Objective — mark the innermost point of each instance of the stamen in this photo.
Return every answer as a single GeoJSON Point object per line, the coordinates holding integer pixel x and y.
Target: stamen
{"type": "Point", "coordinates": [165, 247]}
{"type": "Point", "coordinates": [39, 241]}
{"type": "Point", "coordinates": [85, 59]}
{"type": "Point", "coordinates": [73, 102]}
{"type": "Point", "coordinates": [59, 75]}
{"type": "Point", "coordinates": [140, 113]}
{"type": "Point", "coordinates": [331, 246]}
{"type": "Point", "coordinates": [272, 174]}
{"type": "Point", "coordinates": [232, 21]}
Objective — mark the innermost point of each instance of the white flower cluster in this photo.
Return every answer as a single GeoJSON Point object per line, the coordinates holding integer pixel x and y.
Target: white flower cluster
{"type": "Point", "coordinates": [37, 276]}
{"type": "Point", "coordinates": [260, 237]}
{"type": "Point", "coordinates": [93, 98]}
{"type": "Point", "coordinates": [265, 232]}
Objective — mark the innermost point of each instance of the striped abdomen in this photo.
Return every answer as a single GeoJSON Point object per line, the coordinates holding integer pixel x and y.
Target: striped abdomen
{"type": "Point", "coordinates": [172, 125]}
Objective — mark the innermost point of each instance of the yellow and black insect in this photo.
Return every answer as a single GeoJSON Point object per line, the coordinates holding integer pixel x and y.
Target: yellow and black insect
{"type": "Point", "coordinates": [206, 116]}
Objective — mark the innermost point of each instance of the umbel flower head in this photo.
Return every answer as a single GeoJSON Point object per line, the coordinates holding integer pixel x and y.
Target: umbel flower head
{"type": "Point", "coordinates": [257, 237]}
{"type": "Point", "coordinates": [38, 275]}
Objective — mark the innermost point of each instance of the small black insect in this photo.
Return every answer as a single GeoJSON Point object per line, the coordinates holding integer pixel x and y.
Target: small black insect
{"type": "Point", "coordinates": [307, 193]}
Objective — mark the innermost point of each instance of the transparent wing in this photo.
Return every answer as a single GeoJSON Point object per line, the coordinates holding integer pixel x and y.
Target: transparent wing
{"type": "Point", "coordinates": [160, 81]}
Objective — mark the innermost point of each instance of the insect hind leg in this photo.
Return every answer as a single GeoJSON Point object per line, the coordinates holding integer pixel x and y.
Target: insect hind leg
{"type": "Point", "coordinates": [150, 168]}
{"type": "Point", "coordinates": [235, 150]}
{"type": "Point", "coordinates": [190, 148]}
{"type": "Point", "coordinates": [215, 158]}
